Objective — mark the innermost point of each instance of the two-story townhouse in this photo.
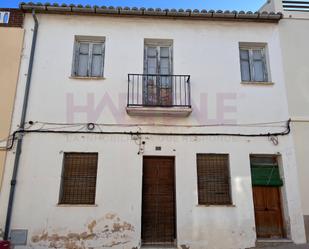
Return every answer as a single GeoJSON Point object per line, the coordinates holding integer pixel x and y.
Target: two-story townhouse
{"type": "Point", "coordinates": [11, 42]}
{"type": "Point", "coordinates": [294, 39]}
{"type": "Point", "coordinates": [150, 127]}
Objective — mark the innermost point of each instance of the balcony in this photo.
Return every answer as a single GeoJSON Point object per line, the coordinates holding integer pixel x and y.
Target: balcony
{"type": "Point", "coordinates": [152, 94]}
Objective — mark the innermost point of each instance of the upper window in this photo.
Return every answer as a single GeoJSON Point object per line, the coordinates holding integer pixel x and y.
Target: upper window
{"type": "Point", "coordinates": [213, 179]}
{"type": "Point", "coordinates": [79, 175]}
{"type": "Point", "coordinates": [89, 57]}
{"type": "Point", "coordinates": [253, 64]}
{"type": "Point", "coordinates": [4, 17]}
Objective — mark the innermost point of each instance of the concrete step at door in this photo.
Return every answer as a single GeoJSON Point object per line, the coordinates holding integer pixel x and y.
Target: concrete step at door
{"type": "Point", "coordinates": [279, 245]}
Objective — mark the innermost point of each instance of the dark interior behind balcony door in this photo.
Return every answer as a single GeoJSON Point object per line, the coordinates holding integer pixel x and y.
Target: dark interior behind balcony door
{"type": "Point", "coordinates": [158, 205]}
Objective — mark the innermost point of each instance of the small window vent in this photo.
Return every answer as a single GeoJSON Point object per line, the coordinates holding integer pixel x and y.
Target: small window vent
{"type": "Point", "coordinates": [295, 5]}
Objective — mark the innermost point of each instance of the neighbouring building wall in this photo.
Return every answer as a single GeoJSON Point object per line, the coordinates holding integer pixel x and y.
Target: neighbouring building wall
{"type": "Point", "coordinates": [294, 38]}
{"type": "Point", "coordinates": [209, 52]}
{"type": "Point", "coordinates": [11, 40]}
{"type": "Point", "coordinates": [268, 6]}
{"type": "Point", "coordinates": [300, 131]}
{"type": "Point", "coordinates": [272, 6]}
{"type": "Point", "coordinates": [294, 42]}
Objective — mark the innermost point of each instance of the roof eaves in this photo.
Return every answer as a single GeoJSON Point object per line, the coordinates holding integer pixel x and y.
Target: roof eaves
{"type": "Point", "coordinates": [134, 11]}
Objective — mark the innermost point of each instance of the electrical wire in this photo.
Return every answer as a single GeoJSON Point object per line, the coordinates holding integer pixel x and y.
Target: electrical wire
{"type": "Point", "coordinates": [139, 132]}
{"type": "Point", "coordinates": [262, 124]}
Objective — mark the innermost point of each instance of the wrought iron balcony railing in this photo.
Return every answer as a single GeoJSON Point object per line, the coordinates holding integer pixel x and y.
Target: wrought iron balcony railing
{"type": "Point", "coordinates": [153, 90]}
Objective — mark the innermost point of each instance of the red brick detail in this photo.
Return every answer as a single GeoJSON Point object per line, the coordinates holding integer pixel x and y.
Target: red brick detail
{"type": "Point", "coordinates": [16, 18]}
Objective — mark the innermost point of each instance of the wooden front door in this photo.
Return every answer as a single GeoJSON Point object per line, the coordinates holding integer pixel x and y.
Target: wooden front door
{"type": "Point", "coordinates": [158, 204]}
{"type": "Point", "coordinates": [268, 215]}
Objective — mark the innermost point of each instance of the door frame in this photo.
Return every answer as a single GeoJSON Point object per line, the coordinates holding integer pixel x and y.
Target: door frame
{"type": "Point", "coordinates": [175, 197]}
{"type": "Point", "coordinates": [282, 196]}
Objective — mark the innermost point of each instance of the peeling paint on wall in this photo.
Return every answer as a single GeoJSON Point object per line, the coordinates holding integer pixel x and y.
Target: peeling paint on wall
{"type": "Point", "coordinates": [92, 225]}
{"type": "Point", "coordinates": [106, 232]}
{"type": "Point", "coordinates": [184, 247]}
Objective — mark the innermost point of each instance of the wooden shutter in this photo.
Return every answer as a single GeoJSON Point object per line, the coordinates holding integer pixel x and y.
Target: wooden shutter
{"type": "Point", "coordinates": [83, 59]}
{"type": "Point", "coordinates": [89, 57]}
{"type": "Point", "coordinates": [213, 179]}
{"type": "Point", "coordinates": [79, 178]}
{"type": "Point", "coordinates": [150, 85]}
{"type": "Point", "coordinates": [265, 68]}
{"type": "Point", "coordinates": [97, 59]}
{"type": "Point", "coordinates": [165, 67]}
{"type": "Point", "coordinates": [253, 64]}
{"type": "Point", "coordinates": [259, 65]}
{"type": "Point", "coordinates": [265, 171]}
{"type": "Point", "coordinates": [245, 65]}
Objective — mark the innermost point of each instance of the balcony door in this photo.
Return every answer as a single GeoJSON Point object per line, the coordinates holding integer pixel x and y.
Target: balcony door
{"type": "Point", "coordinates": [157, 81]}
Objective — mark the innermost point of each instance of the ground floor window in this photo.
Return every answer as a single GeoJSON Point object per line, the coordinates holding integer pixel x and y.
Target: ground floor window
{"type": "Point", "coordinates": [78, 181]}
{"type": "Point", "coordinates": [213, 179]}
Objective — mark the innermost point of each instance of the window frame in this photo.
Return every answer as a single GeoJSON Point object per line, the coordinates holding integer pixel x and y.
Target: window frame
{"type": "Point", "coordinates": [61, 191]}
{"type": "Point", "coordinates": [153, 96]}
{"type": "Point", "coordinates": [91, 40]}
{"type": "Point", "coordinates": [230, 202]}
{"type": "Point", "coordinates": [250, 47]}
{"type": "Point", "coordinates": [4, 17]}
{"type": "Point", "coordinates": [158, 43]}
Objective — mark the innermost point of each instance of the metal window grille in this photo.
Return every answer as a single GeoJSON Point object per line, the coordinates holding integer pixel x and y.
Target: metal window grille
{"type": "Point", "coordinates": [213, 179]}
{"type": "Point", "coordinates": [79, 178]}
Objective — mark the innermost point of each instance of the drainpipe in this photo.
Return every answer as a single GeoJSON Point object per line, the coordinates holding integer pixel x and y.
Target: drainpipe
{"type": "Point", "coordinates": [21, 127]}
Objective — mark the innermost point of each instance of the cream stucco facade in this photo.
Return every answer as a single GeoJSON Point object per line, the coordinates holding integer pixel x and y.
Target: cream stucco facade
{"type": "Point", "coordinates": [206, 50]}
{"type": "Point", "coordinates": [11, 42]}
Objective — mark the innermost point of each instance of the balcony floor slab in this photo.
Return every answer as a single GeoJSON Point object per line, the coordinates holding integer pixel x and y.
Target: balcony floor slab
{"type": "Point", "coordinates": [159, 111]}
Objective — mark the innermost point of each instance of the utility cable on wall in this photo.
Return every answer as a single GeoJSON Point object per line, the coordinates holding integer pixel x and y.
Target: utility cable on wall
{"type": "Point", "coordinates": [82, 129]}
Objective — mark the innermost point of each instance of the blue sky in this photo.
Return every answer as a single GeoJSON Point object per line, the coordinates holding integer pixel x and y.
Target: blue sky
{"type": "Point", "coordinates": [252, 5]}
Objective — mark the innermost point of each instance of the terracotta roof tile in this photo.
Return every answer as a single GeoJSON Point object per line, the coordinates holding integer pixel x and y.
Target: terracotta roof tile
{"type": "Point", "coordinates": [153, 12]}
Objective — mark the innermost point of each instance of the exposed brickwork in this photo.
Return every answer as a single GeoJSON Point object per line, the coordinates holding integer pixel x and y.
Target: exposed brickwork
{"type": "Point", "coordinates": [16, 18]}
